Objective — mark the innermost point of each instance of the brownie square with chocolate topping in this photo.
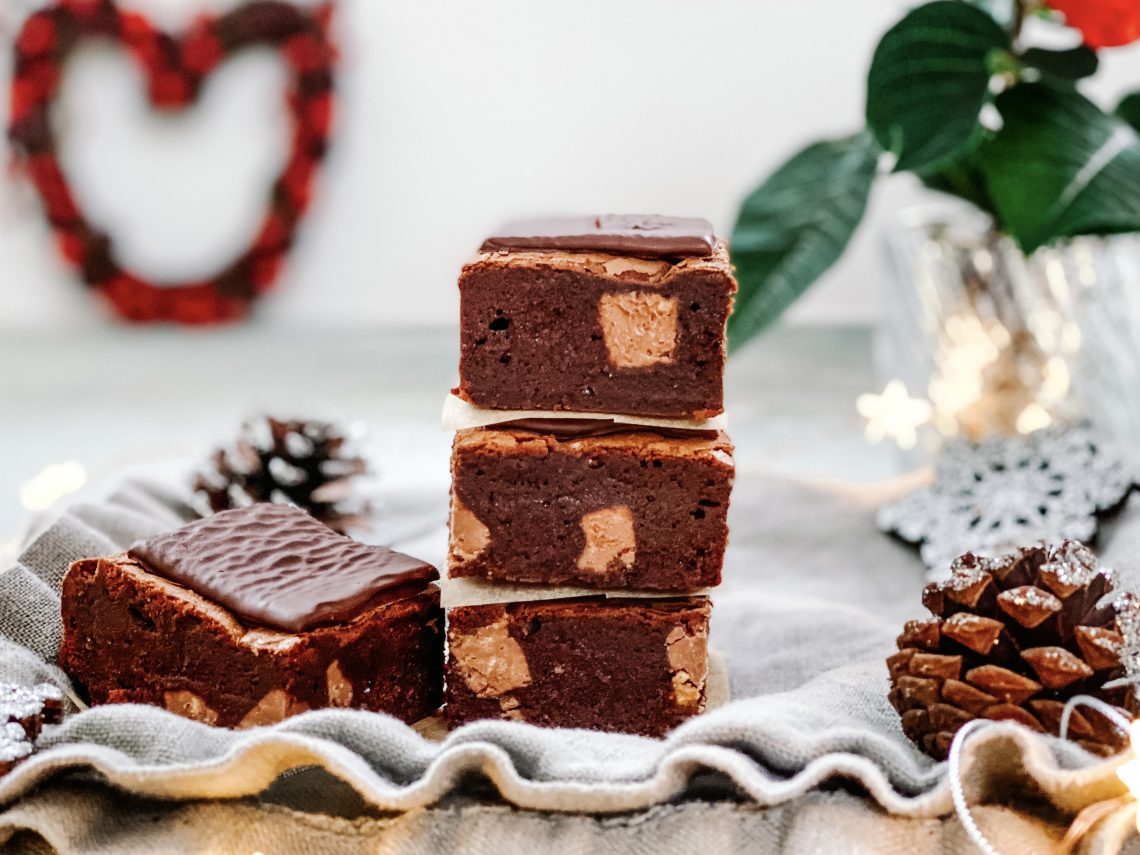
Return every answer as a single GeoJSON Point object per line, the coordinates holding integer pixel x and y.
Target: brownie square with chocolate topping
{"type": "Point", "coordinates": [633, 510]}
{"type": "Point", "coordinates": [253, 615]}
{"type": "Point", "coordinates": [606, 315]}
{"type": "Point", "coordinates": [633, 665]}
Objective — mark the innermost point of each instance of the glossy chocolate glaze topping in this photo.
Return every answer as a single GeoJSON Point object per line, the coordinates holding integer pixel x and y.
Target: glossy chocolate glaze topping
{"type": "Point", "coordinates": [643, 236]}
{"type": "Point", "coordinates": [275, 566]}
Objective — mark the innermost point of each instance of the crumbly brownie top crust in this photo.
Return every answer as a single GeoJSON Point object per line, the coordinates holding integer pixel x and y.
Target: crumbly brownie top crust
{"type": "Point", "coordinates": [640, 441]}
{"type": "Point", "coordinates": [275, 566]}
{"type": "Point", "coordinates": [644, 272]}
{"type": "Point", "coordinates": [638, 235]}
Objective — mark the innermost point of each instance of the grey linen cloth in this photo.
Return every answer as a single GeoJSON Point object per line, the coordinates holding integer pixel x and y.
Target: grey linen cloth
{"type": "Point", "coordinates": [812, 600]}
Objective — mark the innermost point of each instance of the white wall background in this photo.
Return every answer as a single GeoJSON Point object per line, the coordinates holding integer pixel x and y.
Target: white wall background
{"type": "Point", "coordinates": [453, 117]}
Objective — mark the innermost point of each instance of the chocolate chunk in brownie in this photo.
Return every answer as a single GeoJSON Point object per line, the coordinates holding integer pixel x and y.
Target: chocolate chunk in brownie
{"type": "Point", "coordinates": [253, 615]}
{"type": "Point", "coordinates": [634, 510]}
{"type": "Point", "coordinates": [625, 316]}
{"type": "Point", "coordinates": [631, 665]}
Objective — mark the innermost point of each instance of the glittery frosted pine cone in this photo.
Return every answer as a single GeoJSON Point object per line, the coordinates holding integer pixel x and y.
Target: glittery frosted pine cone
{"type": "Point", "coordinates": [23, 712]}
{"type": "Point", "coordinates": [1013, 638]}
{"type": "Point", "coordinates": [309, 464]}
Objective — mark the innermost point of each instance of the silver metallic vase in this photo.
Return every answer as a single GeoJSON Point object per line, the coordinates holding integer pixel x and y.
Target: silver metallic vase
{"type": "Point", "coordinates": [1001, 343]}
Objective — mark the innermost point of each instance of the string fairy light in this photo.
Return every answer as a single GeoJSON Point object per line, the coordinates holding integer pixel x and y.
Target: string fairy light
{"type": "Point", "coordinates": [986, 377]}
{"type": "Point", "coordinates": [894, 414]}
{"type": "Point", "coordinates": [51, 484]}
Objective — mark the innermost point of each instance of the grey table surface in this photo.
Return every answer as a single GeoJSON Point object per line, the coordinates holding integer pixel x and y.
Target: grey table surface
{"type": "Point", "coordinates": [116, 399]}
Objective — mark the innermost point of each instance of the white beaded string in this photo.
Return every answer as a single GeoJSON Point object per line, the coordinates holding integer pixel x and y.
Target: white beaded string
{"type": "Point", "coordinates": [1110, 712]}
{"type": "Point", "coordinates": [961, 807]}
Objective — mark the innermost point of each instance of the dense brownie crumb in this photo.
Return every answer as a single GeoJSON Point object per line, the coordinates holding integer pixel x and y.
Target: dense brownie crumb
{"type": "Point", "coordinates": [631, 665]}
{"type": "Point", "coordinates": [133, 636]}
{"type": "Point", "coordinates": [592, 332]}
{"type": "Point", "coordinates": [631, 510]}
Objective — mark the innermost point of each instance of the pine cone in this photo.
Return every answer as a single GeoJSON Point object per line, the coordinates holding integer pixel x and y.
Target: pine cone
{"type": "Point", "coordinates": [304, 463]}
{"type": "Point", "coordinates": [1013, 638]}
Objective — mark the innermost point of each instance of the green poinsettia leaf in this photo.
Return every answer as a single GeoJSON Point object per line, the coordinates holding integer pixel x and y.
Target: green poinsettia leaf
{"type": "Point", "coordinates": [1073, 64]}
{"type": "Point", "coordinates": [962, 178]}
{"type": "Point", "coordinates": [929, 80]}
{"type": "Point", "coordinates": [1129, 110]}
{"type": "Point", "coordinates": [1060, 166]}
{"type": "Point", "coordinates": [795, 225]}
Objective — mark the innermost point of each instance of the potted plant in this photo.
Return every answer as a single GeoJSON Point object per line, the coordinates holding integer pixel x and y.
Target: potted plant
{"type": "Point", "coordinates": [957, 97]}
{"type": "Point", "coordinates": [1046, 163]}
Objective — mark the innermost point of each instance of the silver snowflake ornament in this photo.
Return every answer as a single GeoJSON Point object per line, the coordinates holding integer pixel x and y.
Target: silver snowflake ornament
{"type": "Point", "coordinates": [1005, 493]}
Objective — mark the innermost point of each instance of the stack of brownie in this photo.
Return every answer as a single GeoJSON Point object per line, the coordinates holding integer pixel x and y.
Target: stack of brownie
{"type": "Point", "coordinates": [590, 455]}
{"type": "Point", "coordinates": [591, 467]}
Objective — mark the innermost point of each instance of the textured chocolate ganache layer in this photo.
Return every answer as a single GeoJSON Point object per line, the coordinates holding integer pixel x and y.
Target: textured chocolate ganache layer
{"type": "Point", "coordinates": [641, 235]}
{"type": "Point", "coordinates": [276, 566]}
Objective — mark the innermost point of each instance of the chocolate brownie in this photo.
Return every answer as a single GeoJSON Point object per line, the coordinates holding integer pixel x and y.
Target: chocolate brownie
{"type": "Point", "coordinates": [606, 664]}
{"type": "Point", "coordinates": [615, 314]}
{"type": "Point", "coordinates": [253, 615]}
{"type": "Point", "coordinates": [635, 510]}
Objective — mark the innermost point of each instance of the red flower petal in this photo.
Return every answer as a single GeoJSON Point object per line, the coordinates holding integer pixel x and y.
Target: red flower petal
{"type": "Point", "coordinates": [1103, 23]}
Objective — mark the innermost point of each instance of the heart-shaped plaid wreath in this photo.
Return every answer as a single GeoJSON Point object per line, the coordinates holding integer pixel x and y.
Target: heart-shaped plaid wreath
{"type": "Point", "coordinates": [175, 69]}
